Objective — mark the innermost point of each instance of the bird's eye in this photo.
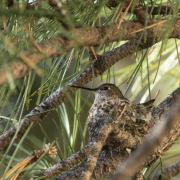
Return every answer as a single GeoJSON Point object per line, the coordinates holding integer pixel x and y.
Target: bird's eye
{"type": "Point", "coordinates": [105, 88]}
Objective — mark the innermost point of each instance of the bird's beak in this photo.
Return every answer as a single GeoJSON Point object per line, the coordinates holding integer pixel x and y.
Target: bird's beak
{"type": "Point", "coordinates": [86, 88]}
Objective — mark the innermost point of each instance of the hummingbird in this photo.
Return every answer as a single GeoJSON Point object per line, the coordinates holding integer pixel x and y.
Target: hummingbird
{"type": "Point", "coordinates": [110, 115]}
{"type": "Point", "coordinates": [107, 97]}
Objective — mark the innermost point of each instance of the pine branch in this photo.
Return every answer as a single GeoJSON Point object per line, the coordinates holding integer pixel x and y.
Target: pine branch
{"type": "Point", "coordinates": [85, 37]}
{"type": "Point", "coordinates": [16, 171]}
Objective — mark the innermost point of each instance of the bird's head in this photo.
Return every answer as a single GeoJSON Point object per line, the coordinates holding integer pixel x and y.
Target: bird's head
{"type": "Point", "coordinates": [106, 90]}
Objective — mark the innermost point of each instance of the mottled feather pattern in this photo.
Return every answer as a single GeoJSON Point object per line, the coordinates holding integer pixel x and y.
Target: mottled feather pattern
{"type": "Point", "coordinates": [112, 110]}
{"type": "Point", "coordinates": [109, 111]}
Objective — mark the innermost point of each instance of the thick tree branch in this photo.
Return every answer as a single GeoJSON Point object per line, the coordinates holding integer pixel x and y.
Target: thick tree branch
{"type": "Point", "coordinates": [84, 37]}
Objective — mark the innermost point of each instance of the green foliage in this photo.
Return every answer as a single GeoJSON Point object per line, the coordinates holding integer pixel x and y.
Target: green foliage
{"type": "Point", "coordinates": [140, 77]}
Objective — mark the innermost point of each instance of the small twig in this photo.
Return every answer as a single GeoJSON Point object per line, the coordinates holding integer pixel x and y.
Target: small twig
{"type": "Point", "coordinates": [159, 23]}
{"type": "Point", "coordinates": [92, 53]}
